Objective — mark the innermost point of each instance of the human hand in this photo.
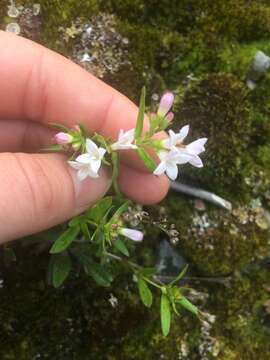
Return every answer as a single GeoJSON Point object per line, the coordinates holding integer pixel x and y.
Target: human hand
{"type": "Point", "coordinates": [38, 87]}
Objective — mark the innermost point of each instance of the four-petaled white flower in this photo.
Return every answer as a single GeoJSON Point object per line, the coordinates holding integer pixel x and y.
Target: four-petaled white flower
{"type": "Point", "coordinates": [175, 142]}
{"type": "Point", "coordinates": [125, 140]}
{"type": "Point", "coordinates": [132, 234]}
{"type": "Point", "coordinates": [88, 164]}
{"type": "Point", "coordinates": [169, 162]}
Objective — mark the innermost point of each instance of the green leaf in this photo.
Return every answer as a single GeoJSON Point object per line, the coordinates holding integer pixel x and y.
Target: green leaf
{"type": "Point", "coordinates": [148, 271]}
{"type": "Point", "coordinates": [83, 130]}
{"type": "Point", "coordinates": [140, 118]}
{"type": "Point", "coordinates": [59, 127]}
{"type": "Point", "coordinates": [98, 211]}
{"type": "Point", "coordinates": [179, 277]}
{"type": "Point", "coordinates": [98, 273]}
{"type": "Point", "coordinates": [119, 211]}
{"type": "Point", "coordinates": [188, 305]}
{"type": "Point", "coordinates": [120, 246]}
{"type": "Point", "coordinates": [145, 292]}
{"type": "Point", "coordinates": [65, 240]}
{"type": "Point", "coordinates": [146, 158]}
{"type": "Point", "coordinates": [78, 220]}
{"type": "Point", "coordinates": [53, 148]}
{"type": "Point", "coordinates": [60, 268]}
{"type": "Point", "coordinates": [165, 314]}
{"type": "Point", "coordinates": [85, 231]}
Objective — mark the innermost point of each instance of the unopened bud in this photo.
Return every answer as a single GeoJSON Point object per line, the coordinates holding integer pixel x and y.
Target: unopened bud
{"type": "Point", "coordinates": [62, 138]}
{"type": "Point", "coordinates": [165, 104]}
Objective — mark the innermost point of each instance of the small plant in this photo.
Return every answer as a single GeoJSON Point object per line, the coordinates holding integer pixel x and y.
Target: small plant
{"type": "Point", "coordinates": [99, 237]}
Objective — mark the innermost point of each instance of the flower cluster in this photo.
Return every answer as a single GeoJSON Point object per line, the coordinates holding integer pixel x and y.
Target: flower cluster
{"type": "Point", "coordinates": [171, 151]}
{"type": "Point", "coordinates": [97, 238]}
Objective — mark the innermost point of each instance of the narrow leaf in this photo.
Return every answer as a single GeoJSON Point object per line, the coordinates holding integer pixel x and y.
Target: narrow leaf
{"type": "Point", "coordinates": [85, 231]}
{"type": "Point", "coordinates": [77, 221]}
{"type": "Point", "coordinates": [98, 273]}
{"type": "Point", "coordinates": [59, 127]}
{"type": "Point", "coordinates": [61, 266]}
{"type": "Point", "coordinates": [53, 148]}
{"type": "Point", "coordinates": [165, 314]}
{"type": "Point", "coordinates": [188, 305]}
{"type": "Point", "coordinates": [179, 277]}
{"type": "Point", "coordinates": [98, 211]}
{"type": "Point", "coordinates": [140, 118]}
{"type": "Point", "coordinates": [120, 246]}
{"type": "Point", "coordinates": [145, 292]}
{"type": "Point", "coordinates": [146, 158]}
{"type": "Point", "coordinates": [65, 240]}
{"type": "Point", "coordinates": [83, 130]}
{"type": "Point", "coordinates": [119, 211]}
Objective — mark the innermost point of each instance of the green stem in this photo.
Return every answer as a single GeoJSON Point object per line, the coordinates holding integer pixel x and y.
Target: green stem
{"type": "Point", "coordinates": [115, 172]}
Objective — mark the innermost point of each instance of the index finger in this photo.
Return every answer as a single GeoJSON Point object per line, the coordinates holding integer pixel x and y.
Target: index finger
{"type": "Point", "coordinates": [40, 85]}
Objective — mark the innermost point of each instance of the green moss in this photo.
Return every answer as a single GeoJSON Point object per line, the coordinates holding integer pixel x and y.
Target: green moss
{"type": "Point", "coordinates": [218, 108]}
{"type": "Point", "coordinates": [240, 313]}
{"type": "Point", "coordinates": [227, 243]}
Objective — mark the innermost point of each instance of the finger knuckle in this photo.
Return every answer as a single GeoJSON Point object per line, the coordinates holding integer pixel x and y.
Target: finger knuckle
{"type": "Point", "coordinates": [38, 186]}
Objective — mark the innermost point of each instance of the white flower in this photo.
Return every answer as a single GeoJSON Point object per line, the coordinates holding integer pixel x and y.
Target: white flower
{"type": "Point", "coordinates": [132, 234]}
{"type": "Point", "coordinates": [89, 163]}
{"type": "Point", "coordinates": [125, 140]}
{"type": "Point", "coordinates": [169, 162]}
{"type": "Point", "coordinates": [194, 149]}
{"type": "Point", "coordinates": [176, 139]}
{"type": "Point", "coordinates": [175, 142]}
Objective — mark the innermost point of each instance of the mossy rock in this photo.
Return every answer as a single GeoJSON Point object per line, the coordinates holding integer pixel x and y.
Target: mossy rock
{"type": "Point", "coordinates": [77, 321]}
{"type": "Point", "coordinates": [241, 313]}
{"type": "Point", "coordinates": [218, 108]}
{"type": "Point", "coordinates": [217, 243]}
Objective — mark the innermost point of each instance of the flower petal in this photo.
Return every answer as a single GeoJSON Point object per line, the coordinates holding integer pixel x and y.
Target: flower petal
{"type": "Point", "coordinates": [197, 146]}
{"type": "Point", "coordinates": [183, 133]}
{"type": "Point", "coordinates": [84, 159]}
{"type": "Point", "coordinates": [163, 154]}
{"type": "Point", "coordinates": [172, 170]}
{"type": "Point", "coordinates": [91, 147]}
{"type": "Point", "coordinates": [82, 174]}
{"type": "Point", "coordinates": [95, 165]}
{"type": "Point", "coordinates": [75, 165]}
{"type": "Point", "coordinates": [128, 136]}
{"type": "Point", "coordinates": [196, 161]}
{"type": "Point", "coordinates": [101, 152]}
{"type": "Point", "coordinates": [160, 169]}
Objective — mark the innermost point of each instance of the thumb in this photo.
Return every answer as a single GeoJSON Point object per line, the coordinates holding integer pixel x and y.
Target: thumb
{"type": "Point", "coordinates": [38, 191]}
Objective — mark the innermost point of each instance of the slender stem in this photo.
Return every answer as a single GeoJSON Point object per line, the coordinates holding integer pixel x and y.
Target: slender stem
{"type": "Point", "coordinates": [152, 283]}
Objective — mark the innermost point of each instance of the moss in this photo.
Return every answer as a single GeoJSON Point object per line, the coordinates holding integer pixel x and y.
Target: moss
{"type": "Point", "coordinates": [218, 108]}
{"type": "Point", "coordinates": [56, 14]}
{"type": "Point", "coordinates": [77, 321]}
{"type": "Point", "coordinates": [240, 312]}
{"type": "Point", "coordinates": [217, 243]}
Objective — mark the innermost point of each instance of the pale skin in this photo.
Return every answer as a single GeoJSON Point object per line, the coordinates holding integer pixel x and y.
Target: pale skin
{"type": "Point", "coordinates": [38, 191]}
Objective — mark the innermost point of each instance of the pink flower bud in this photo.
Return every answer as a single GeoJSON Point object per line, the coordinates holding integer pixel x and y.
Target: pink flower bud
{"type": "Point", "coordinates": [165, 104]}
{"type": "Point", "coordinates": [132, 234]}
{"type": "Point", "coordinates": [62, 138]}
{"type": "Point", "coordinates": [170, 116]}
